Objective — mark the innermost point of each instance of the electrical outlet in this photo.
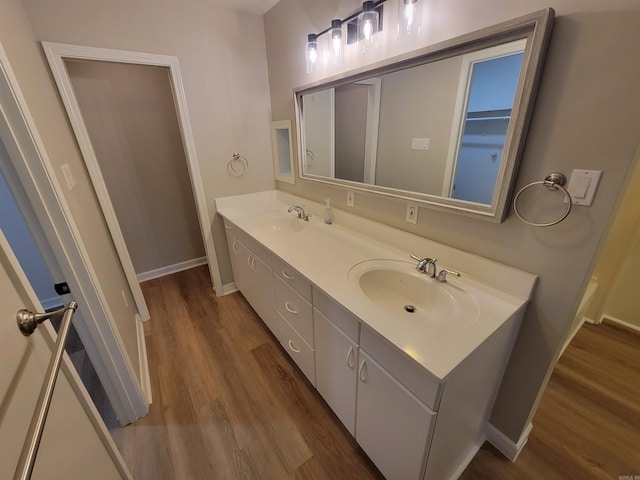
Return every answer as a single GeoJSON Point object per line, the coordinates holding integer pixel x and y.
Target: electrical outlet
{"type": "Point", "coordinates": [350, 199]}
{"type": "Point", "coordinates": [412, 214]}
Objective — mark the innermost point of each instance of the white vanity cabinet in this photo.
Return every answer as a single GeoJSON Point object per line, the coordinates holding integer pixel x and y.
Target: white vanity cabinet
{"type": "Point", "coordinates": [415, 418]}
{"type": "Point", "coordinates": [393, 427]}
{"type": "Point", "coordinates": [336, 369]}
{"type": "Point", "coordinates": [295, 313]}
{"type": "Point", "coordinates": [250, 263]}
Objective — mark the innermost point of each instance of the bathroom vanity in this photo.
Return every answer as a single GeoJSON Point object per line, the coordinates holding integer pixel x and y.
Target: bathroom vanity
{"type": "Point", "coordinates": [410, 365]}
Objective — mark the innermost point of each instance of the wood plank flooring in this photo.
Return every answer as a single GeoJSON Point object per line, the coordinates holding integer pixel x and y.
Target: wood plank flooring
{"type": "Point", "coordinates": [229, 404]}
{"type": "Point", "coordinates": [227, 401]}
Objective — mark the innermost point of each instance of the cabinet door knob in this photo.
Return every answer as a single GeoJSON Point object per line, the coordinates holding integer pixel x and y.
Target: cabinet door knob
{"type": "Point", "coordinates": [362, 371]}
{"type": "Point", "coordinates": [350, 363]}
{"type": "Point", "coordinates": [235, 250]}
{"type": "Point", "coordinates": [293, 347]}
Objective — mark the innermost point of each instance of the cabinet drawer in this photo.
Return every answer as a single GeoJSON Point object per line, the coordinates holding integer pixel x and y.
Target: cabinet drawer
{"type": "Point", "coordinates": [343, 319]}
{"type": "Point", "coordinates": [295, 309]}
{"type": "Point", "coordinates": [415, 378]}
{"type": "Point", "coordinates": [297, 349]}
{"type": "Point", "coordinates": [292, 278]}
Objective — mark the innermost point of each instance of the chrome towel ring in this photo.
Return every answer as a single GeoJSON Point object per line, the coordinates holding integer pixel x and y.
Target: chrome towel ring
{"type": "Point", "coordinates": [238, 165]}
{"type": "Point", "coordinates": [553, 181]}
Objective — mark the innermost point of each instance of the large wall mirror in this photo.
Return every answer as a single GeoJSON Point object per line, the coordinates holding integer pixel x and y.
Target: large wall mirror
{"type": "Point", "coordinates": [444, 126]}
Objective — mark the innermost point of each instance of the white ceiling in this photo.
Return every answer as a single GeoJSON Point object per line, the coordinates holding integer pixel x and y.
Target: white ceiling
{"type": "Point", "coordinates": [259, 7]}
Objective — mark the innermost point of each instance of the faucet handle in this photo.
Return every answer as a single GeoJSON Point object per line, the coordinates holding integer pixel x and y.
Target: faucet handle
{"type": "Point", "coordinates": [442, 276]}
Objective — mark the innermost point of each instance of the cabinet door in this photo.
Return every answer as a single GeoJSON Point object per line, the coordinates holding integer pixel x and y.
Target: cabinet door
{"type": "Point", "coordinates": [238, 262]}
{"type": "Point", "coordinates": [336, 368]}
{"type": "Point", "coordinates": [393, 427]}
{"type": "Point", "coordinates": [260, 291]}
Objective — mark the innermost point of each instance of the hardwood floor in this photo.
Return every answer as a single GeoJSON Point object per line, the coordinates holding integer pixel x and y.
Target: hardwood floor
{"type": "Point", "coordinates": [588, 422]}
{"type": "Point", "coordinates": [229, 404]}
{"type": "Point", "coordinates": [227, 401]}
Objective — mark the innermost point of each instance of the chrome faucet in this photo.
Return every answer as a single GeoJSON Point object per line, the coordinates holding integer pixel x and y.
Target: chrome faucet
{"type": "Point", "coordinates": [426, 265]}
{"type": "Point", "coordinates": [300, 211]}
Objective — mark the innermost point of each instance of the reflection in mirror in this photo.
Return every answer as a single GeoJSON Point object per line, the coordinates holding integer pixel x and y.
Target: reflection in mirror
{"type": "Point", "coordinates": [445, 129]}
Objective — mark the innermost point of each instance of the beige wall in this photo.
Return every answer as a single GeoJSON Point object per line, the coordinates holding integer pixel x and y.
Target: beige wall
{"type": "Point", "coordinates": [587, 116]}
{"type": "Point", "coordinates": [131, 118]}
{"type": "Point", "coordinates": [29, 66]}
{"type": "Point", "coordinates": [221, 53]}
{"type": "Point", "coordinates": [617, 272]}
{"type": "Point", "coordinates": [434, 85]}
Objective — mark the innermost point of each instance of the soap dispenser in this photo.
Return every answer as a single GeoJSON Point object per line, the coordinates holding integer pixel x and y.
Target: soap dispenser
{"type": "Point", "coordinates": [328, 214]}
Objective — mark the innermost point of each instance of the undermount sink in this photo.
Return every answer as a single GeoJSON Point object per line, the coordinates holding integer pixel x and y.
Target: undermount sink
{"type": "Point", "coordinates": [280, 223]}
{"type": "Point", "coordinates": [397, 288]}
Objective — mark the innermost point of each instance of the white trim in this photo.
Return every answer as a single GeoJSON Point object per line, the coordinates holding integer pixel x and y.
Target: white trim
{"type": "Point", "coordinates": [145, 378]}
{"type": "Point", "coordinates": [169, 269]}
{"type": "Point", "coordinates": [56, 53]}
{"type": "Point", "coordinates": [228, 288]}
{"type": "Point", "coordinates": [504, 444]}
{"type": "Point", "coordinates": [613, 319]}
{"type": "Point", "coordinates": [93, 321]}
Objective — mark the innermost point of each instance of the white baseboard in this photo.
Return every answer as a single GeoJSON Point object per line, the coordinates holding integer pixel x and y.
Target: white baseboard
{"type": "Point", "coordinates": [227, 289]}
{"type": "Point", "coordinates": [582, 321]}
{"type": "Point", "coordinates": [145, 378]}
{"type": "Point", "coordinates": [505, 445]}
{"type": "Point", "coordinates": [613, 319]}
{"type": "Point", "coordinates": [169, 269]}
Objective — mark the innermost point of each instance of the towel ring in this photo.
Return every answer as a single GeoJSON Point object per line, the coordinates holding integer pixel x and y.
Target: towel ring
{"type": "Point", "coordinates": [238, 165]}
{"type": "Point", "coordinates": [553, 181]}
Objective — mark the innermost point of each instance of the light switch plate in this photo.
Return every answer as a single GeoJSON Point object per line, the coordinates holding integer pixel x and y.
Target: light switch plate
{"type": "Point", "coordinates": [420, 143]}
{"type": "Point", "coordinates": [68, 176]}
{"type": "Point", "coordinates": [583, 185]}
{"type": "Point", "coordinates": [350, 199]}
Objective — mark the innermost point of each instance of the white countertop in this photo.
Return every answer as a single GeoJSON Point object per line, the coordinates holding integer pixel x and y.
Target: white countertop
{"type": "Point", "coordinates": [324, 254]}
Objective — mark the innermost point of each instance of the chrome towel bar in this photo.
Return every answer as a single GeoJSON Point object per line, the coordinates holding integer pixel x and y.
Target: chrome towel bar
{"type": "Point", "coordinates": [27, 322]}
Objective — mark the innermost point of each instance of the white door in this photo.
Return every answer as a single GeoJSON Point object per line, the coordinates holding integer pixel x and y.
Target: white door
{"type": "Point", "coordinates": [75, 443]}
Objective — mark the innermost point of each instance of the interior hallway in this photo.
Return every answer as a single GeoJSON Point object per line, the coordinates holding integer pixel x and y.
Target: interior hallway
{"type": "Point", "coordinates": [229, 404]}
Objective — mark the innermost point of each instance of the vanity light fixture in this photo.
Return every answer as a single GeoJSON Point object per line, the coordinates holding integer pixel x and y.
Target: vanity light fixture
{"type": "Point", "coordinates": [409, 17]}
{"type": "Point", "coordinates": [312, 52]}
{"type": "Point", "coordinates": [361, 27]}
{"type": "Point", "coordinates": [367, 27]}
{"type": "Point", "coordinates": [335, 53]}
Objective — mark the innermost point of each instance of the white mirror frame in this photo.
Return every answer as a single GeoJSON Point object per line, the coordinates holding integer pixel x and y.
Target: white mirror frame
{"type": "Point", "coordinates": [535, 28]}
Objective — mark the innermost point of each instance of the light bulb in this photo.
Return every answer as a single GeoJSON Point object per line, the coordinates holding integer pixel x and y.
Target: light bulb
{"type": "Point", "coordinates": [312, 52]}
{"type": "Point", "coordinates": [335, 55]}
{"type": "Point", "coordinates": [409, 17]}
{"type": "Point", "coordinates": [367, 25]}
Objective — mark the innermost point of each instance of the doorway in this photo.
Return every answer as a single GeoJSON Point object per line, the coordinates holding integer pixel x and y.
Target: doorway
{"type": "Point", "coordinates": [60, 57]}
{"type": "Point", "coordinates": [26, 238]}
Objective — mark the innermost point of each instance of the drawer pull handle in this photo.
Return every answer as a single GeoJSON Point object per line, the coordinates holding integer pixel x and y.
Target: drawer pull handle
{"type": "Point", "coordinates": [235, 243]}
{"type": "Point", "coordinates": [287, 276]}
{"type": "Point", "coordinates": [350, 363]}
{"type": "Point", "coordinates": [290, 308]}
{"type": "Point", "coordinates": [251, 261]}
{"type": "Point", "coordinates": [362, 371]}
{"type": "Point", "coordinates": [228, 227]}
{"type": "Point", "coordinates": [293, 347]}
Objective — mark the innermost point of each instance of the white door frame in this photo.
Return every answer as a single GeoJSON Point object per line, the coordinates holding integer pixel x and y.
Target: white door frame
{"type": "Point", "coordinates": [56, 54]}
{"type": "Point", "coordinates": [93, 320]}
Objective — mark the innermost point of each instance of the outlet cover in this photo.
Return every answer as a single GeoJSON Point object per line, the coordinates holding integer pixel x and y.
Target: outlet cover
{"type": "Point", "coordinates": [412, 214]}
